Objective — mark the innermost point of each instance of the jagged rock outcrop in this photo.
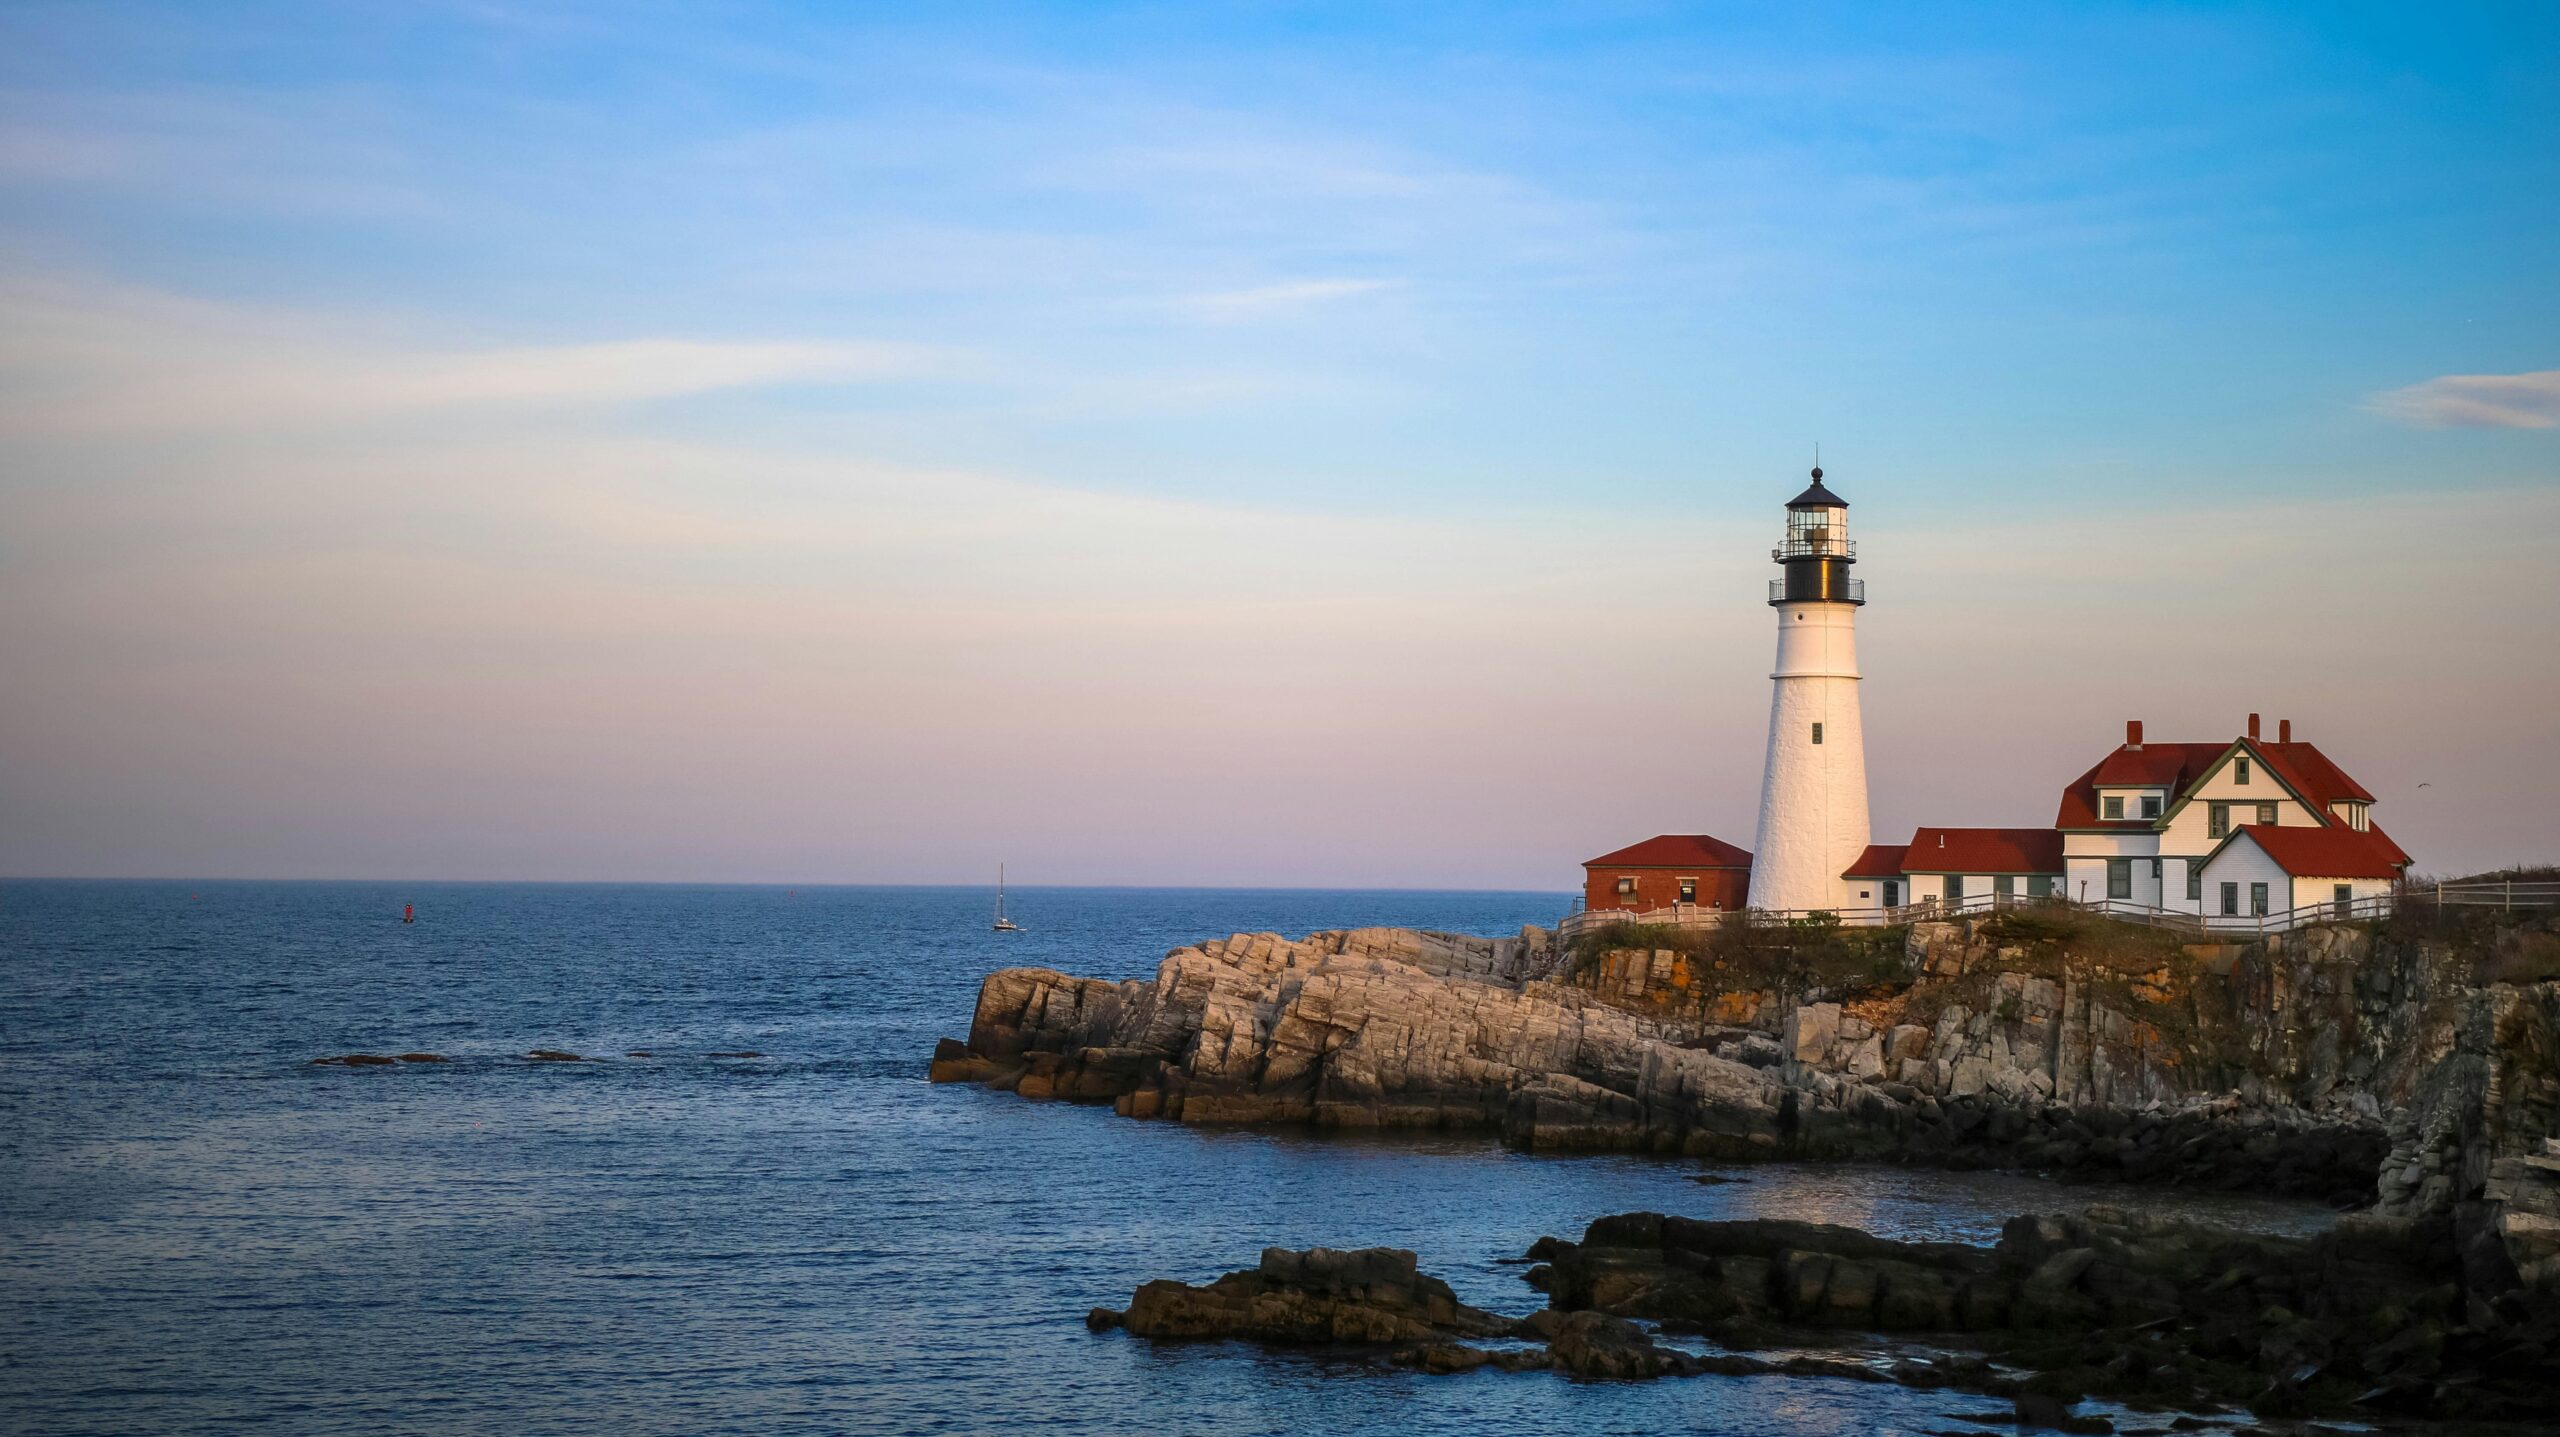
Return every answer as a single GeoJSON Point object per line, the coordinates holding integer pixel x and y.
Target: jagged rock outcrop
{"type": "Point", "coordinates": [1376, 1298]}
{"type": "Point", "coordinates": [2298, 1065]}
{"type": "Point", "coordinates": [2364, 1319]}
{"type": "Point", "coordinates": [2361, 1321]}
{"type": "Point", "coordinates": [1374, 1295]}
{"type": "Point", "coordinates": [2479, 1135]}
{"type": "Point", "coordinates": [1371, 1028]}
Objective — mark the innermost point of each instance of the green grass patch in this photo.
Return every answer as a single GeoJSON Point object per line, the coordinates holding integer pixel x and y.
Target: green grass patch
{"type": "Point", "coordinates": [1745, 952]}
{"type": "Point", "coordinates": [2057, 931]}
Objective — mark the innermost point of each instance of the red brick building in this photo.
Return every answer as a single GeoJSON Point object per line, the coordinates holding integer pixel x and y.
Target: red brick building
{"type": "Point", "coordinates": [1672, 868]}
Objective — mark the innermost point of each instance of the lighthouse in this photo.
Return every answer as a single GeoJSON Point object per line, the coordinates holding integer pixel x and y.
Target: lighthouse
{"type": "Point", "coordinates": [1813, 792]}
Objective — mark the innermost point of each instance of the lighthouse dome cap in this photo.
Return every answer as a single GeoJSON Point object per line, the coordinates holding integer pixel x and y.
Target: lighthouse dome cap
{"type": "Point", "coordinates": [1817, 497]}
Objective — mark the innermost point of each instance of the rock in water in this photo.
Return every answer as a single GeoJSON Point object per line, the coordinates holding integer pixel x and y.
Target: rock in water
{"type": "Point", "coordinates": [2364, 1319]}
{"type": "Point", "coordinates": [1444, 1357]}
{"type": "Point", "coordinates": [1597, 1347]}
{"type": "Point", "coordinates": [954, 1063]}
{"type": "Point", "coordinates": [1374, 1295]}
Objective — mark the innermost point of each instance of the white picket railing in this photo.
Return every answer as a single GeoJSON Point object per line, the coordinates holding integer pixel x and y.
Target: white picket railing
{"type": "Point", "coordinates": [2504, 893]}
{"type": "Point", "coordinates": [2493, 893]}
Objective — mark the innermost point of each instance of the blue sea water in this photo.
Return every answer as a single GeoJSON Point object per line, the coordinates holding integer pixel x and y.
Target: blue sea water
{"type": "Point", "coordinates": [201, 1231]}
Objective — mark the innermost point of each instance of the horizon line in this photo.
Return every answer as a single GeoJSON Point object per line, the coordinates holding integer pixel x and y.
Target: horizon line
{"type": "Point", "coordinates": [783, 884]}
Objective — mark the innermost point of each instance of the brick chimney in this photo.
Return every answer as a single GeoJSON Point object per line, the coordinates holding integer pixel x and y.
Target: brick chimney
{"type": "Point", "coordinates": [2253, 728]}
{"type": "Point", "coordinates": [2284, 730]}
{"type": "Point", "coordinates": [2133, 733]}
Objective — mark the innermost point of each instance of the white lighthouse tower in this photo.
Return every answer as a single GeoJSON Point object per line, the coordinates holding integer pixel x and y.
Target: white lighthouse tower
{"type": "Point", "coordinates": [1813, 794]}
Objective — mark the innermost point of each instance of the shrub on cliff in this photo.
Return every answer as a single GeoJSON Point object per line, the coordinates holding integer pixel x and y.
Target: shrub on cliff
{"type": "Point", "coordinates": [2060, 929]}
{"type": "Point", "coordinates": [1748, 950]}
{"type": "Point", "coordinates": [2504, 945]}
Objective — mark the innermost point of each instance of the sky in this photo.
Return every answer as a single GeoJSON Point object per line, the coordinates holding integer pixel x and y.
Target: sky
{"type": "Point", "coordinates": [1244, 445]}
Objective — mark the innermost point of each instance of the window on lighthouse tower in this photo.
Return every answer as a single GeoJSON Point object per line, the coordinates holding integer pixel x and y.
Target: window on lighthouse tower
{"type": "Point", "coordinates": [1817, 733]}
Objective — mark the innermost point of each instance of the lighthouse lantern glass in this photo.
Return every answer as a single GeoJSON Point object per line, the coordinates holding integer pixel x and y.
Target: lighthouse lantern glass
{"type": "Point", "coordinates": [1817, 531]}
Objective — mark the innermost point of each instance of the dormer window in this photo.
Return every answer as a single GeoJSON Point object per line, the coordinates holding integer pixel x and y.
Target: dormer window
{"type": "Point", "coordinates": [2151, 805]}
{"type": "Point", "coordinates": [2113, 806]}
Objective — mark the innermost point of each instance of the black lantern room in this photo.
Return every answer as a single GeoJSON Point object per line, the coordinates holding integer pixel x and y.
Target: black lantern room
{"type": "Point", "coordinates": [1818, 551]}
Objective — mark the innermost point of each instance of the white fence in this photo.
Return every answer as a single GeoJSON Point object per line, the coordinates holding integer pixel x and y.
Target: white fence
{"type": "Point", "coordinates": [2204, 926]}
{"type": "Point", "coordinates": [2504, 893]}
{"type": "Point", "coordinates": [1679, 915]}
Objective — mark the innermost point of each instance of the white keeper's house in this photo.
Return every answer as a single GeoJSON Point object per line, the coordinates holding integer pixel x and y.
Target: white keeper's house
{"type": "Point", "coordinates": [2236, 828]}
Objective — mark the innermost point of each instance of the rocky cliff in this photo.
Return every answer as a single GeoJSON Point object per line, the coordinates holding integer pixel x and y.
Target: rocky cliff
{"type": "Point", "coordinates": [2338, 1062]}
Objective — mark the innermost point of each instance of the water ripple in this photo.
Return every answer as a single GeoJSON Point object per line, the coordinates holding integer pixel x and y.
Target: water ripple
{"type": "Point", "coordinates": [200, 1230]}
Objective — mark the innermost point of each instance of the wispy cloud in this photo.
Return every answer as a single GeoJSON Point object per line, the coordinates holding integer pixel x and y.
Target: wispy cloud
{"type": "Point", "coordinates": [1262, 301]}
{"type": "Point", "coordinates": [109, 359]}
{"type": "Point", "coordinates": [2484, 401]}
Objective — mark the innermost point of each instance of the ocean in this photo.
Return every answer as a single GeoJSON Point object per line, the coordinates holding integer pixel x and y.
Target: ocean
{"type": "Point", "coordinates": [201, 1231]}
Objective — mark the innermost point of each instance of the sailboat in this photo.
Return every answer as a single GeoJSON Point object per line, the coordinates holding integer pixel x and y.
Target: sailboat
{"type": "Point", "coordinates": [1003, 924]}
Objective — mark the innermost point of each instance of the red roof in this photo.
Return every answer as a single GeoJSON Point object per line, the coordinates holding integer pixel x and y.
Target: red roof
{"type": "Point", "coordinates": [1983, 850]}
{"type": "Point", "coordinates": [1881, 860]}
{"type": "Point", "coordinates": [2173, 766]}
{"type": "Point", "coordinates": [2155, 765]}
{"type": "Point", "coordinates": [2336, 852]}
{"type": "Point", "coordinates": [2178, 767]}
{"type": "Point", "coordinates": [1675, 850]}
{"type": "Point", "coordinates": [2309, 772]}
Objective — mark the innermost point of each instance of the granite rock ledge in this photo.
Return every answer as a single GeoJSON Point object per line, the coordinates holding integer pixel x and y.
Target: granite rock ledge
{"type": "Point", "coordinates": [2335, 1063]}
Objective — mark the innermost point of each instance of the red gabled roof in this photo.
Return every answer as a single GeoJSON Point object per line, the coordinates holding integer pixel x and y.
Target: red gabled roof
{"type": "Point", "coordinates": [2162, 765]}
{"type": "Point", "coordinates": [2308, 771]}
{"type": "Point", "coordinates": [1983, 850]}
{"type": "Point", "coordinates": [2338, 852]}
{"type": "Point", "coordinates": [2178, 767]}
{"type": "Point", "coordinates": [1881, 860]}
{"type": "Point", "coordinates": [2173, 766]}
{"type": "Point", "coordinates": [1675, 850]}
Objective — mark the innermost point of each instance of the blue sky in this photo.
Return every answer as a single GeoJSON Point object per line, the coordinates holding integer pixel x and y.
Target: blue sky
{"type": "Point", "coordinates": [814, 405]}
